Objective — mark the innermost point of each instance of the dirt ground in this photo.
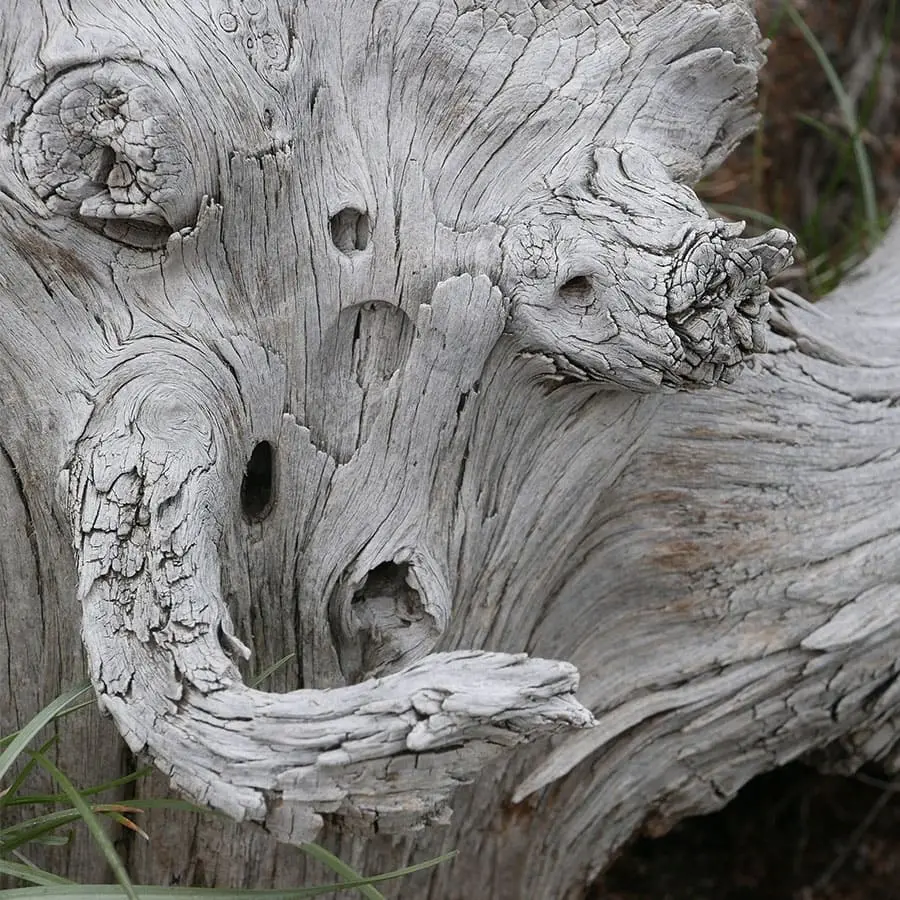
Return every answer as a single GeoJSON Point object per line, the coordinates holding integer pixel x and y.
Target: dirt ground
{"type": "Point", "coordinates": [791, 835]}
{"type": "Point", "coordinates": [800, 169]}
{"type": "Point", "coordinates": [795, 834]}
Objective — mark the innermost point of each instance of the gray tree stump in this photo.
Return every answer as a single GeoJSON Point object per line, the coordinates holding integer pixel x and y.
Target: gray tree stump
{"type": "Point", "coordinates": [375, 333]}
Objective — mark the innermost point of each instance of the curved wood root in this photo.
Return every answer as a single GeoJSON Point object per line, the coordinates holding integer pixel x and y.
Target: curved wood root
{"type": "Point", "coordinates": [148, 507]}
{"type": "Point", "coordinates": [388, 752]}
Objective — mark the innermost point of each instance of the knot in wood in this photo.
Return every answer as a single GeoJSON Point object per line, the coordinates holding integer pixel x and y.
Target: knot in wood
{"type": "Point", "coordinates": [623, 280]}
{"type": "Point", "coordinates": [108, 144]}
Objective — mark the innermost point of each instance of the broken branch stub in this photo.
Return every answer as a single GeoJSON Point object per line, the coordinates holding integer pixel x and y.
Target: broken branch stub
{"type": "Point", "coordinates": [111, 144]}
{"type": "Point", "coordinates": [624, 280]}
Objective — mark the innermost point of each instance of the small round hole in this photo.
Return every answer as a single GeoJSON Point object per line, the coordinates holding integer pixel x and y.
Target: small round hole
{"type": "Point", "coordinates": [577, 288]}
{"type": "Point", "coordinates": [350, 230]}
{"type": "Point", "coordinates": [257, 486]}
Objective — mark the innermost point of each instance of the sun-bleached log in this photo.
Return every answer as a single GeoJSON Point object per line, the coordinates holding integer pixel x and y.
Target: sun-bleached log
{"type": "Point", "coordinates": [393, 336]}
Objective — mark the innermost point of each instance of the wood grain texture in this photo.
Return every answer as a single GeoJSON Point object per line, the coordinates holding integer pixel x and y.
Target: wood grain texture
{"type": "Point", "coordinates": [444, 262]}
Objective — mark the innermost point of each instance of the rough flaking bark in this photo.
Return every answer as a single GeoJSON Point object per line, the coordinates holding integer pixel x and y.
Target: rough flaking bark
{"type": "Point", "coordinates": [374, 333]}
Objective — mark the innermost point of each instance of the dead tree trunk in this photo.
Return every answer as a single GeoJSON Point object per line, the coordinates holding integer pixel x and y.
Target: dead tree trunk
{"type": "Point", "coordinates": [371, 332]}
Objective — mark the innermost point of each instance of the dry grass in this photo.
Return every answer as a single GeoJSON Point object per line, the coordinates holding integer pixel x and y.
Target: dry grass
{"type": "Point", "coordinates": [800, 168]}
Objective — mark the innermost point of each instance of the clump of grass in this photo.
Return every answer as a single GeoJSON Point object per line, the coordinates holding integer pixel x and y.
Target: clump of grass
{"type": "Point", "coordinates": [868, 223]}
{"type": "Point", "coordinates": [54, 815]}
{"type": "Point", "coordinates": [829, 245]}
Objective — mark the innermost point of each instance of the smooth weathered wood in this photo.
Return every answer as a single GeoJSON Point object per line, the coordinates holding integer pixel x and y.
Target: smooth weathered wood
{"type": "Point", "coordinates": [443, 261]}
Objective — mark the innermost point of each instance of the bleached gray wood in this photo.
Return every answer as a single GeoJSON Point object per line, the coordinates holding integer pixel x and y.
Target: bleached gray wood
{"type": "Point", "coordinates": [445, 258]}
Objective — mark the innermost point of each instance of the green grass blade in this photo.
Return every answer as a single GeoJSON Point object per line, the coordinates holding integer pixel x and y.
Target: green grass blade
{"type": "Point", "coordinates": [16, 743]}
{"type": "Point", "coordinates": [31, 874]}
{"type": "Point", "coordinates": [166, 803]}
{"type": "Point", "coordinates": [117, 782]}
{"type": "Point", "coordinates": [93, 825]}
{"type": "Point", "coordinates": [22, 858]}
{"type": "Point", "coordinates": [832, 135]}
{"type": "Point", "coordinates": [63, 892]}
{"type": "Point", "coordinates": [38, 799]}
{"type": "Point", "coordinates": [848, 111]}
{"type": "Point", "coordinates": [34, 829]}
{"type": "Point", "coordinates": [7, 738]}
{"type": "Point", "coordinates": [340, 868]}
{"type": "Point", "coordinates": [99, 891]}
{"type": "Point", "coordinates": [10, 797]}
{"type": "Point", "coordinates": [49, 840]}
{"type": "Point", "coordinates": [271, 670]}
{"type": "Point", "coordinates": [53, 840]}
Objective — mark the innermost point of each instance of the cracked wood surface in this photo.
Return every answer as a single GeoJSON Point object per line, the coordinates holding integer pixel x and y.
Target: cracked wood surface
{"type": "Point", "coordinates": [367, 332]}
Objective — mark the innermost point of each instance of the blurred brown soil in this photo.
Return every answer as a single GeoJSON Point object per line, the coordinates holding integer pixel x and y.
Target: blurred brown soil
{"type": "Point", "coordinates": [796, 834]}
{"type": "Point", "coordinates": [799, 168]}
{"type": "Point", "coordinates": [791, 835]}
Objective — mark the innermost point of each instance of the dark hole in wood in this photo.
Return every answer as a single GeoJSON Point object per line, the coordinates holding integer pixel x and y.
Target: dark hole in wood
{"type": "Point", "coordinates": [387, 580]}
{"type": "Point", "coordinates": [350, 230]}
{"type": "Point", "coordinates": [258, 484]}
{"type": "Point", "coordinates": [131, 231]}
{"type": "Point", "coordinates": [385, 609]}
{"type": "Point", "coordinates": [576, 288]}
{"type": "Point", "coordinates": [105, 163]}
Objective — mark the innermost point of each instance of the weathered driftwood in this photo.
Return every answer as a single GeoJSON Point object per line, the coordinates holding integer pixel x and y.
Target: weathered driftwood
{"type": "Point", "coordinates": [371, 332]}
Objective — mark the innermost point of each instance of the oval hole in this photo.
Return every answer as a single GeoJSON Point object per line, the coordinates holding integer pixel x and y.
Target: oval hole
{"type": "Point", "coordinates": [350, 230]}
{"type": "Point", "coordinates": [576, 288]}
{"type": "Point", "coordinates": [388, 624]}
{"type": "Point", "coordinates": [257, 486]}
